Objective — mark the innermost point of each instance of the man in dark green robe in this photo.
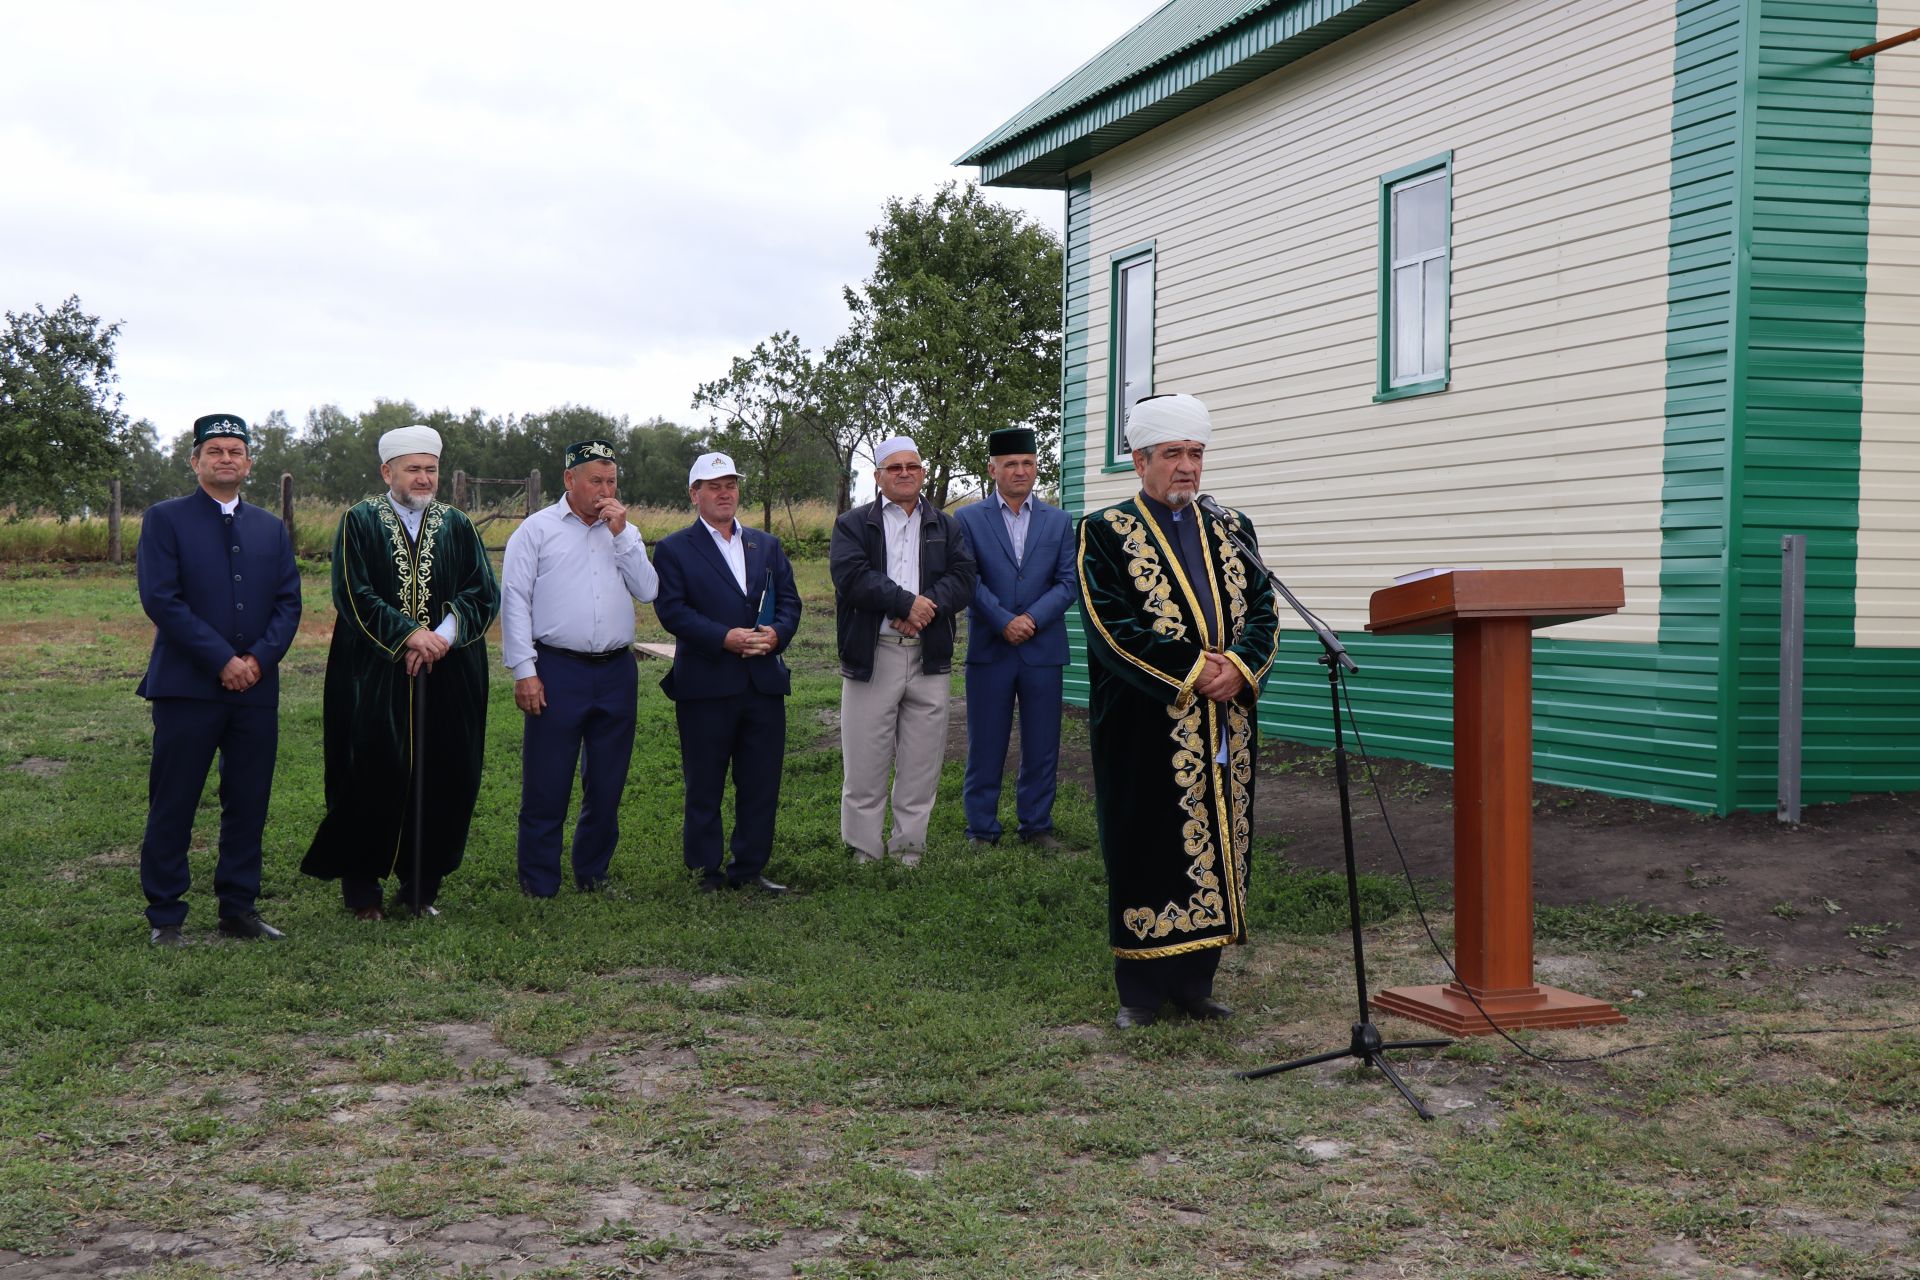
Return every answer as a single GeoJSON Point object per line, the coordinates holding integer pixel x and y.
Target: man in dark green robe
{"type": "Point", "coordinates": [413, 590]}
{"type": "Point", "coordinates": [1181, 632]}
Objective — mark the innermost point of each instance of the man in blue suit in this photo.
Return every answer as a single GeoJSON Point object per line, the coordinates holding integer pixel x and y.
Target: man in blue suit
{"type": "Point", "coordinates": [1016, 641]}
{"type": "Point", "coordinates": [727, 595]}
{"type": "Point", "coordinates": [218, 579]}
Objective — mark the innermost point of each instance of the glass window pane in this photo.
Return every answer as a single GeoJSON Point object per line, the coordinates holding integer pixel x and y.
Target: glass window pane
{"type": "Point", "coordinates": [1406, 323]}
{"type": "Point", "coordinates": [1135, 374]}
{"type": "Point", "coordinates": [1435, 324]}
{"type": "Point", "coordinates": [1419, 218]}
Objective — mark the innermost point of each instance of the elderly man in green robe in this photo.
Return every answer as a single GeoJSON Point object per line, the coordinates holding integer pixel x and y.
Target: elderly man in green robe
{"type": "Point", "coordinates": [1181, 631]}
{"type": "Point", "coordinates": [413, 591]}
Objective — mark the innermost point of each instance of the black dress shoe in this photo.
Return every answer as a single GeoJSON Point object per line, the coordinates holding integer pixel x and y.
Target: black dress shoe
{"type": "Point", "coordinates": [1132, 1015]}
{"type": "Point", "coordinates": [983, 842]}
{"type": "Point", "coordinates": [1206, 1009]}
{"type": "Point", "coordinates": [249, 925]}
{"type": "Point", "coordinates": [761, 883]}
{"type": "Point", "coordinates": [712, 884]}
{"type": "Point", "coordinates": [166, 935]}
{"type": "Point", "coordinates": [1044, 841]}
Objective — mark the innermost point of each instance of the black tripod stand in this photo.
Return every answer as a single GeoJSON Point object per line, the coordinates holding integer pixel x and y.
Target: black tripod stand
{"type": "Point", "coordinates": [1365, 1043]}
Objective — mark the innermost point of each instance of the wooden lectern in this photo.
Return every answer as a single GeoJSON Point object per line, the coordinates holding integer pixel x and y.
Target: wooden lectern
{"type": "Point", "coordinates": [1492, 614]}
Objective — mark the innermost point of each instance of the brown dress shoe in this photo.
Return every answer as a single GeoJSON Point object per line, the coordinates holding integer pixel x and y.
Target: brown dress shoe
{"type": "Point", "coordinates": [369, 913]}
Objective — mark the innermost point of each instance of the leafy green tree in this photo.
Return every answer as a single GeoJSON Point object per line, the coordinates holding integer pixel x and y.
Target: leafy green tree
{"type": "Point", "coordinates": [654, 459]}
{"type": "Point", "coordinates": [147, 472]}
{"type": "Point", "coordinates": [61, 428]}
{"type": "Point", "coordinates": [759, 412]}
{"type": "Point", "coordinates": [959, 327]}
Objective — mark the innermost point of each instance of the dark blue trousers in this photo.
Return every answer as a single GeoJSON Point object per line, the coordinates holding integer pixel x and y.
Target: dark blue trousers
{"type": "Point", "coordinates": [994, 689]}
{"type": "Point", "coordinates": [747, 731]}
{"type": "Point", "coordinates": [589, 723]}
{"type": "Point", "coordinates": [186, 734]}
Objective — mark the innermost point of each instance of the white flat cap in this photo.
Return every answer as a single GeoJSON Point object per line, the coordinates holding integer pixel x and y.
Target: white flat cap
{"type": "Point", "coordinates": [711, 466]}
{"type": "Point", "coordinates": [404, 440]}
{"type": "Point", "coordinates": [1159, 419]}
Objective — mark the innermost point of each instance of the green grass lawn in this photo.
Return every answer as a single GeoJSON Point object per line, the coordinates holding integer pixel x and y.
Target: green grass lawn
{"type": "Point", "coordinates": [888, 1073]}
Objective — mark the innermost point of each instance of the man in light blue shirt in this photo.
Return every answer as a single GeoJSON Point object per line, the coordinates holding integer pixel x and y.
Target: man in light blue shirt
{"type": "Point", "coordinates": [571, 575]}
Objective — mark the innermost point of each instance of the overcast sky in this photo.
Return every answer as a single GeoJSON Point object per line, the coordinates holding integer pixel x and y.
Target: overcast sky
{"type": "Point", "coordinates": [502, 206]}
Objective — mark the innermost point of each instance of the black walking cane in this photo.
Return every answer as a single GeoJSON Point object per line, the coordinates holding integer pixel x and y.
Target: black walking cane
{"type": "Point", "coordinates": [419, 779]}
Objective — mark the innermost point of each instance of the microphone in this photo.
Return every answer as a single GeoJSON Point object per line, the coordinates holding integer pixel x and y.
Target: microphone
{"type": "Point", "coordinates": [1206, 503]}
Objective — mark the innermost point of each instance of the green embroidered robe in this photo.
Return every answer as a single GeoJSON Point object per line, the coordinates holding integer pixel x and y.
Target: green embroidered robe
{"type": "Point", "coordinates": [386, 587]}
{"type": "Point", "coordinates": [1175, 825]}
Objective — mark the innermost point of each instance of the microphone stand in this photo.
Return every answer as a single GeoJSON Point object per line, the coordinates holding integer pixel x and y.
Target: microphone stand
{"type": "Point", "coordinates": [1365, 1042]}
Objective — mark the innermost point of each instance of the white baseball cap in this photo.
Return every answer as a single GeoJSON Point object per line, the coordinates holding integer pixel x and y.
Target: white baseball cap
{"type": "Point", "coordinates": [711, 466]}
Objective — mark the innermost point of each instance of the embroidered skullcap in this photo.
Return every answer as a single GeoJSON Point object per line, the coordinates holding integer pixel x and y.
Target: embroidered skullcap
{"type": "Point", "coordinates": [404, 440]}
{"type": "Point", "coordinates": [1159, 419]}
{"type": "Point", "coordinates": [590, 451]}
{"type": "Point", "coordinates": [220, 424]}
{"type": "Point", "coordinates": [892, 445]}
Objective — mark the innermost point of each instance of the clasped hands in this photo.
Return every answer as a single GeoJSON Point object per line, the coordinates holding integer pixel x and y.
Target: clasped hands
{"type": "Point", "coordinates": [917, 617]}
{"type": "Point", "coordinates": [751, 642]}
{"type": "Point", "coordinates": [424, 648]}
{"type": "Point", "coordinates": [1019, 630]}
{"type": "Point", "coordinates": [241, 673]}
{"type": "Point", "coordinates": [1219, 680]}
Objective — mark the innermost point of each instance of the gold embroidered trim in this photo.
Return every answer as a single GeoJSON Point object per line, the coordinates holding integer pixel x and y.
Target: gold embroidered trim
{"type": "Point", "coordinates": [1183, 693]}
{"type": "Point", "coordinates": [1191, 768]}
{"type": "Point", "coordinates": [1177, 949]}
{"type": "Point", "coordinates": [1180, 576]}
{"type": "Point", "coordinates": [1143, 565]}
{"type": "Point", "coordinates": [413, 565]}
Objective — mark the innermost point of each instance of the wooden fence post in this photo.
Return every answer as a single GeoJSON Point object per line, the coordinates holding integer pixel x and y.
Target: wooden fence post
{"type": "Point", "coordinates": [533, 491]}
{"type": "Point", "coordinates": [460, 490]}
{"type": "Point", "coordinates": [113, 523]}
{"type": "Point", "coordinates": [286, 502]}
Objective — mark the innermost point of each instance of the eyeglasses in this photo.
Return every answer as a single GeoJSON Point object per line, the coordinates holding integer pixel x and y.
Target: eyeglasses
{"type": "Point", "coordinates": [904, 468]}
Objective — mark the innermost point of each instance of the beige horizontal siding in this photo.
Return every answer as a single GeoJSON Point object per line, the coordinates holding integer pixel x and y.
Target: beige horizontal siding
{"type": "Point", "coordinates": [1887, 594]}
{"type": "Point", "coordinates": [1264, 210]}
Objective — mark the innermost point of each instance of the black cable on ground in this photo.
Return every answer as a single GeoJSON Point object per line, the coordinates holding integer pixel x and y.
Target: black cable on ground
{"type": "Point", "coordinates": [1406, 871]}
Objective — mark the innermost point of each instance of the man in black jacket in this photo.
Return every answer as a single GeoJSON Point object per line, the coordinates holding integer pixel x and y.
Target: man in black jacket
{"type": "Point", "coordinates": [902, 572]}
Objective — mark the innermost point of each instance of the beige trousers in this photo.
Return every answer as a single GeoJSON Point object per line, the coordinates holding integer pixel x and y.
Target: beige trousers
{"type": "Point", "coordinates": [897, 720]}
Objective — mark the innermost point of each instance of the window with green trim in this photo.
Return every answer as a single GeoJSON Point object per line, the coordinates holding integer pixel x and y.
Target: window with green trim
{"type": "Point", "coordinates": [1416, 259]}
{"type": "Point", "coordinates": [1129, 343]}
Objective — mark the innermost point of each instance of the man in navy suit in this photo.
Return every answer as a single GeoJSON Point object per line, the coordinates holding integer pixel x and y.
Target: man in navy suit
{"type": "Point", "coordinates": [218, 579]}
{"type": "Point", "coordinates": [1016, 641]}
{"type": "Point", "coordinates": [727, 595]}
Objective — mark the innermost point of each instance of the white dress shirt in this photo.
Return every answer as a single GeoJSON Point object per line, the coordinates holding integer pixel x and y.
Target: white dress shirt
{"type": "Point", "coordinates": [903, 548]}
{"type": "Point", "coordinates": [732, 552]}
{"type": "Point", "coordinates": [449, 628]}
{"type": "Point", "coordinates": [571, 585]}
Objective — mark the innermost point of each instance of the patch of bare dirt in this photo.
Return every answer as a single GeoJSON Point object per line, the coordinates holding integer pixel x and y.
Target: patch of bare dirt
{"type": "Point", "coordinates": [622, 1228]}
{"type": "Point", "coordinates": [1832, 904]}
{"type": "Point", "coordinates": [39, 767]}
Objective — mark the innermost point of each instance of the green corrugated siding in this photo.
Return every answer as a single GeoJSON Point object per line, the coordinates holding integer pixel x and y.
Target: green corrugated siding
{"type": "Point", "coordinates": [1799, 469]}
{"type": "Point", "coordinates": [1076, 383]}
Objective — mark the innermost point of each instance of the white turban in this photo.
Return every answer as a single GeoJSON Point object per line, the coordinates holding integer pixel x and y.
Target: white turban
{"type": "Point", "coordinates": [404, 440]}
{"type": "Point", "coordinates": [890, 446]}
{"type": "Point", "coordinates": [1160, 419]}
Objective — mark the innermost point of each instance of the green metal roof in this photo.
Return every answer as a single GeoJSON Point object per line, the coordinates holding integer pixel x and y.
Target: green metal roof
{"type": "Point", "coordinates": [1186, 53]}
